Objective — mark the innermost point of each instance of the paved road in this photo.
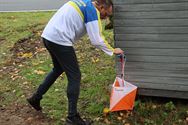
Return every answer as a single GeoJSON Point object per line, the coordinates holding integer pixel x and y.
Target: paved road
{"type": "Point", "coordinates": [30, 5]}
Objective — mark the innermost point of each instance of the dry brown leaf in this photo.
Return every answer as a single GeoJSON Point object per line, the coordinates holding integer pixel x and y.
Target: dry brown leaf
{"type": "Point", "coordinates": [39, 72]}
{"type": "Point", "coordinates": [27, 55]}
{"type": "Point", "coordinates": [30, 119]}
{"type": "Point", "coordinates": [63, 119]}
{"type": "Point", "coordinates": [22, 96]}
{"type": "Point", "coordinates": [97, 119]}
{"type": "Point", "coordinates": [41, 49]}
{"type": "Point", "coordinates": [25, 83]}
{"type": "Point", "coordinates": [187, 119]}
{"type": "Point", "coordinates": [121, 114]}
{"type": "Point", "coordinates": [95, 60]}
{"type": "Point", "coordinates": [179, 120]}
{"type": "Point", "coordinates": [126, 124]}
{"type": "Point", "coordinates": [154, 106]}
{"type": "Point", "coordinates": [119, 118]}
{"type": "Point", "coordinates": [107, 121]}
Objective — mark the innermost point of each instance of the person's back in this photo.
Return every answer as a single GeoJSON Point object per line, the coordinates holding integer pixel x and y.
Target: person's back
{"type": "Point", "coordinates": [65, 27]}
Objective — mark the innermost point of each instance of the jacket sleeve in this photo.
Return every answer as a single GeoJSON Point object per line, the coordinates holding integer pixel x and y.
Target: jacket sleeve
{"type": "Point", "coordinates": [94, 30]}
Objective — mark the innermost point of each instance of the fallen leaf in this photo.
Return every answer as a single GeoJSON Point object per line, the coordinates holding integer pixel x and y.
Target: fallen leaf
{"type": "Point", "coordinates": [63, 119]}
{"type": "Point", "coordinates": [30, 119]}
{"type": "Point", "coordinates": [119, 118]}
{"type": "Point", "coordinates": [107, 121]}
{"type": "Point", "coordinates": [25, 83]}
{"type": "Point", "coordinates": [187, 119]}
{"type": "Point", "coordinates": [126, 124]}
{"type": "Point", "coordinates": [154, 106]}
{"type": "Point", "coordinates": [12, 17]}
{"type": "Point", "coordinates": [27, 55]}
{"type": "Point", "coordinates": [22, 96]}
{"type": "Point", "coordinates": [41, 49]}
{"type": "Point", "coordinates": [123, 121]}
{"type": "Point", "coordinates": [95, 60]}
{"type": "Point", "coordinates": [35, 64]}
{"type": "Point", "coordinates": [39, 72]}
{"type": "Point", "coordinates": [97, 119]}
{"type": "Point", "coordinates": [106, 110]}
{"type": "Point", "coordinates": [56, 90]}
{"type": "Point", "coordinates": [121, 114]}
{"type": "Point", "coordinates": [179, 120]}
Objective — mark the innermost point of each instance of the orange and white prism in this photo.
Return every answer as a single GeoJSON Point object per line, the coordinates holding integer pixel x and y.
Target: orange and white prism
{"type": "Point", "coordinates": [123, 95]}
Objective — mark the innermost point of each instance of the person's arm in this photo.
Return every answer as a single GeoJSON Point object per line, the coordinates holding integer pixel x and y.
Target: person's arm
{"type": "Point", "coordinates": [97, 39]}
{"type": "Point", "coordinates": [94, 30]}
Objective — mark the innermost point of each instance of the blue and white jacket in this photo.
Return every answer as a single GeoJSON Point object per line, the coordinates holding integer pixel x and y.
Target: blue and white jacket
{"type": "Point", "coordinates": [72, 21]}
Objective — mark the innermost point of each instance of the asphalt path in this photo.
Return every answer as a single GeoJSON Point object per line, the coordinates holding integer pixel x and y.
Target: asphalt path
{"type": "Point", "coordinates": [30, 5]}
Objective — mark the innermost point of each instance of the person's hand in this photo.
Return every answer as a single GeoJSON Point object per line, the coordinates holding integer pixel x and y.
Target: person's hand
{"type": "Point", "coordinates": [118, 51]}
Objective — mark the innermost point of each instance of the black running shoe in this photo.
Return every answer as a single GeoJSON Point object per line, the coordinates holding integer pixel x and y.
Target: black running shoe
{"type": "Point", "coordinates": [77, 120]}
{"type": "Point", "coordinates": [35, 103]}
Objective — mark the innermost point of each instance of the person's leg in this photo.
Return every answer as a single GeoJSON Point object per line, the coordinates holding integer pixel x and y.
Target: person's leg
{"type": "Point", "coordinates": [52, 75]}
{"type": "Point", "coordinates": [66, 59]}
{"type": "Point", "coordinates": [74, 77]}
{"type": "Point", "coordinates": [48, 81]}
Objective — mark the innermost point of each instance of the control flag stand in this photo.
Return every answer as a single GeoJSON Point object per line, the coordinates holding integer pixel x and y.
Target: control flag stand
{"type": "Point", "coordinates": [123, 93]}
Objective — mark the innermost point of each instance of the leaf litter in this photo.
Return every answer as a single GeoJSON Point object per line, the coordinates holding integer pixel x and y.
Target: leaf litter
{"type": "Point", "coordinates": [17, 113]}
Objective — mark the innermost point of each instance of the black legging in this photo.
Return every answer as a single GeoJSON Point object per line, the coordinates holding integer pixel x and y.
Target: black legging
{"type": "Point", "coordinates": [64, 60]}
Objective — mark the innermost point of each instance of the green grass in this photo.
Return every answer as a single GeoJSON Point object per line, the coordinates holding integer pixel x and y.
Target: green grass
{"type": "Point", "coordinates": [15, 26]}
{"type": "Point", "coordinates": [98, 72]}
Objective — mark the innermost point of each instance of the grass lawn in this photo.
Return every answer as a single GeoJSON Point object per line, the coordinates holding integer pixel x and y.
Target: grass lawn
{"type": "Point", "coordinates": [24, 62]}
